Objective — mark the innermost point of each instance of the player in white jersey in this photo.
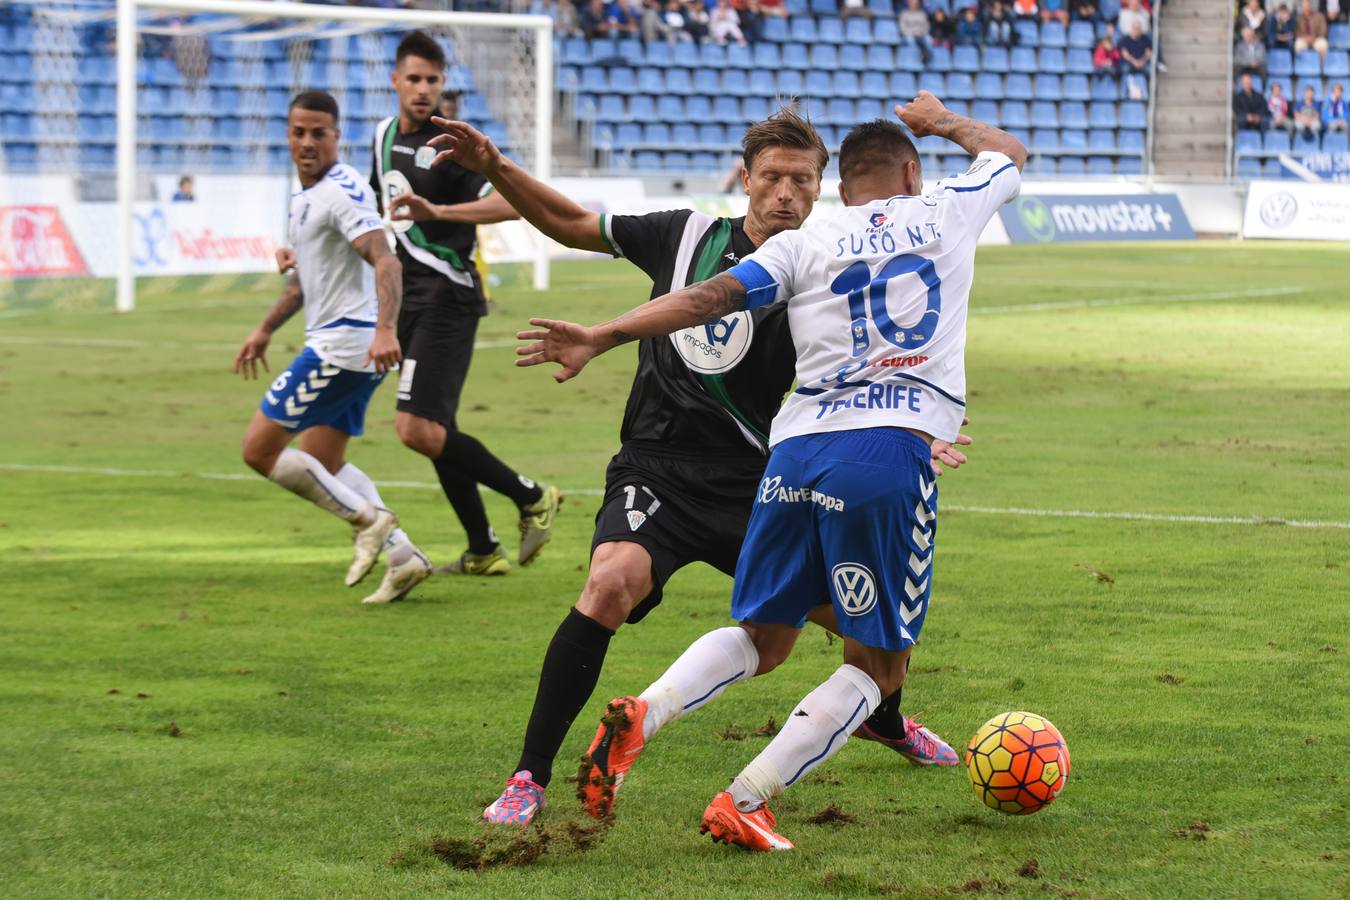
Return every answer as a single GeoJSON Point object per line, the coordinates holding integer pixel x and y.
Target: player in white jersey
{"type": "Point", "coordinates": [349, 284]}
{"type": "Point", "coordinates": [847, 511]}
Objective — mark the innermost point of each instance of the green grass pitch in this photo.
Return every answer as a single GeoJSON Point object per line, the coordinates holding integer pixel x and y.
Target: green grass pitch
{"type": "Point", "coordinates": [191, 703]}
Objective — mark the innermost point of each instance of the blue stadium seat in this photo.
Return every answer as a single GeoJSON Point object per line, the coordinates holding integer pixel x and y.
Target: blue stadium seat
{"type": "Point", "coordinates": [1023, 59]}
{"type": "Point", "coordinates": [706, 81]}
{"type": "Point", "coordinates": [1279, 63]}
{"type": "Point", "coordinates": [1248, 142]}
{"type": "Point", "coordinates": [1102, 139]}
{"type": "Point", "coordinates": [612, 108]}
{"type": "Point", "coordinates": [641, 108]}
{"type": "Point", "coordinates": [960, 86]}
{"type": "Point", "coordinates": [1017, 86]}
{"type": "Point", "coordinates": [1072, 165]}
{"type": "Point", "coordinates": [1102, 114]}
{"type": "Point", "coordinates": [1130, 165]}
{"type": "Point", "coordinates": [1105, 87]}
{"type": "Point", "coordinates": [727, 108]}
{"type": "Point", "coordinates": [845, 84]}
{"type": "Point", "coordinates": [774, 28]}
{"type": "Point", "coordinates": [712, 56]}
{"type": "Point", "coordinates": [1048, 87]}
{"type": "Point", "coordinates": [1130, 141]}
{"type": "Point", "coordinates": [711, 135]}
{"type": "Point", "coordinates": [1308, 64]}
{"type": "Point", "coordinates": [1133, 115]}
{"type": "Point", "coordinates": [840, 111]}
{"type": "Point", "coordinates": [1100, 166]}
{"type": "Point", "coordinates": [818, 84]}
{"type": "Point", "coordinates": [823, 7]}
{"type": "Point", "coordinates": [994, 59]}
{"type": "Point", "coordinates": [941, 60]}
{"type": "Point", "coordinates": [1306, 143]}
{"type": "Point", "coordinates": [830, 31]}
{"type": "Point", "coordinates": [698, 108]}
{"type": "Point", "coordinates": [886, 31]}
{"type": "Point", "coordinates": [1314, 83]}
{"type": "Point", "coordinates": [1073, 115]}
{"type": "Point", "coordinates": [647, 161]}
{"type": "Point", "coordinates": [569, 79]}
{"type": "Point", "coordinates": [1027, 33]}
{"type": "Point", "coordinates": [1337, 65]}
{"type": "Point", "coordinates": [1338, 36]}
{"type": "Point", "coordinates": [966, 58]}
{"type": "Point", "coordinates": [706, 162]}
{"type": "Point", "coordinates": [1076, 88]}
{"type": "Point", "coordinates": [1044, 140]}
{"type": "Point", "coordinates": [881, 7]}
{"type": "Point", "coordinates": [755, 109]}
{"type": "Point", "coordinates": [867, 110]}
{"type": "Point", "coordinates": [594, 80]}
{"type": "Point", "coordinates": [682, 134]}
{"type": "Point", "coordinates": [766, 56]}
{"type": "Point", "coordinates": [628, 135]}
{"type": "Point", "coordinates": [1273, 169]}
{"type": "Point", "coordinates": [630, 51]}
{"type": "Point", "coordinates": [1051, 60]}
{"type": "Point", "coordinates": [1054, 35]}
{"type": "Point", "coordinates": [679, 81]}
{"type": "Point", "coordinates": [853, 57]}
{"type": "Point", "coordinates": [908, 59]}
{"type": "Point", "coordinates": [824, 56]}
{"type": "Point", "coordinates": [791, 83]}
{"type": "Point", "coordinates": [874, 85]}
{"type": "Point", "coordinates": [796, 56]}
{"type": "Point", "coordinates": [1015, 114]}
{"type": "Point", "coordinates": [904, 86]}
{"type": "Point", "coordinates": [1081, 35]}
{"type": "Point", "coordinates": [797, 7]}
{"type": "Point", "coordinates": [1072, 139]}
{"type": "Point", "coordinates": [661, 54]}
{"type": "Point", "coordinates": [933, 82]}
{"type": "Point", "coordinates": [1044, 114]}
{"type": "Point", "coordinates": [803, 30]}
{"type": "Point", "coordinates": [989, 86]}
{"type": "Point", "coordinates": [813, 108]}
{"type": "Point", "coordinates": [880, 58]}
{"type": "Point", "coordinates": [986, 111]}
{"type": "Point", "coordinates": [1080, 62]}
{"type": "Point", "coordinates": [761, 84]}
{"type": "Point", "coordinates": [857, 31]}
{"type": "Point", "coordinates": [649, 81]}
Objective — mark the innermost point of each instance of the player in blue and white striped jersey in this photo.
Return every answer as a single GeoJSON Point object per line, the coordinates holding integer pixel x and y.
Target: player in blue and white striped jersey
{"type": "Point", "coordinates": [349, 284]}
{"type": "Point", "coordinates": [846, 513]}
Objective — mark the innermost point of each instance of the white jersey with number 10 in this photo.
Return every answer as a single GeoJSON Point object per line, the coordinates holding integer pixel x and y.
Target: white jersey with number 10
{"type": "Point", "coordinates": [877, 298]}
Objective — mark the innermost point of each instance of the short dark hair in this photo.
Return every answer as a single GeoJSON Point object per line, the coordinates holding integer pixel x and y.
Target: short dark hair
{"type": "Point", "coordinates": [318, 101]}
{"type": "Point", "coordinates": [452, 94]}
{"type": "Point", "coordinates": [785, 128]}
{"type": "Point", "coordinates": [874, 145]}
{"type": "Point", "coordinates": [420, 44]}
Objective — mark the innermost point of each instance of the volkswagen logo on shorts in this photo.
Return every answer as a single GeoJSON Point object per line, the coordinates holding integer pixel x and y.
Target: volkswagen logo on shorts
{"type": "Point", "coordinates": [854, 588]}
{"type": "Point", "coordinates": [1279, 210]}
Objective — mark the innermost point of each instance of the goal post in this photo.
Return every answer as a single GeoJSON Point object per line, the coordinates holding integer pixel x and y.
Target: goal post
{"type": "Point", "coordinates": [536, 148]}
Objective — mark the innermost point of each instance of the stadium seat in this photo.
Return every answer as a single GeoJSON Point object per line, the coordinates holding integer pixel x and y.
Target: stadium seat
{"type": "Point", "coordinates": [857, 31]}
{"type": "Point", "coordinates": [712, 136]}
{"type": "Point", "coordinates": [1247, 167]}
{"type": "Point", "coordinates": [986, 111]}
{"type": "Point", "coordinates": [797, 7]}
{"type": "Point", "coordinates": [966, 58]}
{"type": "Point", "coordinates": [824, 56]}
{"type": "Point", "coordinates": [1051, 59]}
{"type": "Point", "coordinates": [1053, 34]}
{"type": "Point", "coordinates": [1306, 143]}
{"type": "Point", "coordinates": [989, 86]}
{"type": "Point", "coordinates": [1073, 115]}
{"type": "Point", "coordinates": [766, 56]}
{"type": "Point", "coordinates": [1081, 35]}
{"type": "Point", "coordinates": [679, 81]}
{"type": "Point", "coordinates": [594, 80]}
{"type": "Point", "coordinates": [649, 81]}
{"type": "Point", "coordinates": [1130, 141]}
{"type": "Point", "coordinates": [853, 57]}
{"type": "Point", "coordinates": [1100, 166]}
{"type": "Point", "coordinates": [1076, 88]}
{"type": "Point", "coordinates": [994, 59]}
{"type": "Point", "coordinates": [1080, 62]}
{"type": "Point", "coordinates": [641, 108]}
{"type": "Point", "coordinates": [1072, 165]}
{"type": "Point", "coordinates": [698, 108]}
{"type": "Point", "coordinates": [681, 134]}
{"type": "Point", "coordinates": [1102, 140]}
{"type": "Point", "coordinates": [1044, 114]}
{"type": "Point", "coordinates": [1102, 115]}
{"type": "Point", "coordinates": [628, 135]}
{"type": "Point", "coordinates": [796, 56]}
{"type": "Point", "coordinates": [712, 56]}
{"type": "Point", "coordinates": [960, 86]}
{"type": "Point", "coordinates": [1105, 87]}
{"type": "Point", "coordinates": [803, 30]}
{"type": "Point", "coordinates": [941, 60]}
{"type": "Point", "coordinates": [647, 161]}
{"type": "Point", "coordinates": [1027, 33]}
{"type": "Point", "coordinates": [1337, 65]}
{"type": "Point", "coordinates": [1336, 142]}
{"type": "Point", "coordinates": [1308, 64]}
{"type": "Point", "coordinates": [1015, 114]}
{"type": "Point", "coordinates": [791, 83]}
{"type": "Point", "coordinates": [1248, 142]}
{"type": "Point", "coordinates": [707, 81]}
{"type": "Point", "coordinates": [727, 108]}
{"type": "Point", "coordinates": [907, 58]}
{"type": "Point", "coordinates": [823, 7]}
{"type": "Point", "coordinates": [886, 31]}
{"type": "Point", "coordinates": [933, 82]}
{"type": "Point", "coordinates": [845, 84]}
{"type": "Point", "coordinates": [840, 111]}
{"type": "Point", "coordinates": [775, 28]}
{"type": "Point", "coordinates": [818, 84]}
{"type": "Point", "coordinates": [660, 54]}
{"type": "Point", "coordinates": [755, 109]}
{"type": "Point", "coordinates": [1048, 87]}
{"type": "Point", "coordinates": [1314, 83]}
{"type": "Point", "coordinates": [1018, 87]}
{"type": "Point", "coordinates": [830, 31]}
{"type": "Point", "coordinates": [706, 162]}
{"type": "Point", "coordinates": [904, 86]}
{"type": "Point", "coordinates": [1130, 165]}
{"type": "Point", "coordinates": [881, 7]}
{"type": "Point", "coordinates": [761, 83]}
{"type": "Point", "coordinates": [873, 84]}
{"type": "Point", "coordinates": [1023, 59]}
{"type": "Point", "coordinates": [1338, 36]}
{"type": "Point", "coordinates": [1072, 139]}
{"type": "Point", "coordinates": [880, 58]}
{"type": "Point", "coordinates": [1280, 63]}
{"type": "Point", "coordinates": [867, 110]}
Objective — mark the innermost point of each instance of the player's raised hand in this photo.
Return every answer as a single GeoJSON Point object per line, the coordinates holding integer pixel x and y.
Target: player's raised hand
{"type": "Point", "coordinates": [253, 352]}
{"type": "Point", "coordinates": [568, 344]}
{"type": "Point", "coordinates": [944, 452]}
{"type": "Point", "coordinates": [285, 259]}
{"type": "Point", "coordinates": [384, 352]}
{"type": "Point", "coordinates": [921, 114]}
{"type": "Point", "coordinates": [466, 145]}
{"type": "Point", "coordinates": [414, 207]}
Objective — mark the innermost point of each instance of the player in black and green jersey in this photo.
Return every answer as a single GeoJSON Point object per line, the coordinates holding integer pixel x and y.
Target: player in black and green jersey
{"type": "Point", "coordinates": [684, 481]}
{"type": "Point", "coordinates": [434, 212]}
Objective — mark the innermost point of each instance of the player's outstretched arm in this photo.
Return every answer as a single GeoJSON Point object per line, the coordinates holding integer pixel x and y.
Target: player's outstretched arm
{"type": "Point", "coordinates": [254, 350]}
{"type": "Point", "coordinates": [926, 115]}
{"type": "Point", "coordinates": [384, 350]}
{"type": "Point", "coordinates": [572, 346]}
{"type": "Point", "coordinates": [559, 217]}
{"type": "Point", "coordinates": [484, 211]}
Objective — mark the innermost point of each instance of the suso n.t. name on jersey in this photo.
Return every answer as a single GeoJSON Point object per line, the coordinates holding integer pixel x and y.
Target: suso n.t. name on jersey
{"type": "Point", "coordinates": [877, 299]}
{"type": "Point", "coordinates": [338, 284]}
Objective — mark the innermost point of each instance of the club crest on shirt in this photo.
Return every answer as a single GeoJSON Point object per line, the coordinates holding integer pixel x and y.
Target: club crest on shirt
{"type": "Point", "coordinates": [635, 519]}
{"type": "Point", "coordinates": [718, 346]}
{"type": "Point", "coordinates": [424, 156]}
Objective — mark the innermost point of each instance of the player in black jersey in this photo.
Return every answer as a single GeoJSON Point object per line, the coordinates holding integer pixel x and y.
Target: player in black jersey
{"type": "Point", "coordinates": [433, 213]}
{"type": "Point", "coordinates": [694, 432]}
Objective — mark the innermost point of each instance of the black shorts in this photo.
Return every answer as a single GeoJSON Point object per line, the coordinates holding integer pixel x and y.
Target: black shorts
{"type": "Point", "coordinates": [679, 507]}
{"type": "Point", "coordinates": [437, 344]}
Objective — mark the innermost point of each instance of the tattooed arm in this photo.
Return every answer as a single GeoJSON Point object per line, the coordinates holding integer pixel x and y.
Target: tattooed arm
{"type": "Point", "coordinates": [572, 346]}
{"type": "Point", "coordinates": [384, 351]}
{"type": "Point", "coordinates": [926, 115]}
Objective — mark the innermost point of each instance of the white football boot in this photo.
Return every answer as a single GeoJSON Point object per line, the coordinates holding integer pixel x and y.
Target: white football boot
{"type": "Point", "coordinates": [368, 542]}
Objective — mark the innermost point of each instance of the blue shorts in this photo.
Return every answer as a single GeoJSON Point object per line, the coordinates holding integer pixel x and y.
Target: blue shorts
{"type": "Point", "coordinates": [311, 392]}
{"type": "Point", "coordinates": [847, 518]}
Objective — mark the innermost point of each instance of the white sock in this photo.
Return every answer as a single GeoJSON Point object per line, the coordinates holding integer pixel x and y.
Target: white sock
{"type": "Point", "coordinates": [714, 661]}
{"type": "Point", "coordinates": [398, 545]}
{"type": "Point", "coordinates": [302, 474]}
{"type": "Point", "coordinates": [814, 732]}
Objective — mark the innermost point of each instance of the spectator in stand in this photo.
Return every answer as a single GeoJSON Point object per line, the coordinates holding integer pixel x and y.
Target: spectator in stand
{"type": "Point", "coordinates": [849, 9]}
{"type": "Point", "coordinates": [1311, 30]}
{"type": "Point", "coordinates": [671, 23]}
{"type": "Point", "coordinates": [1132, 11]}
{"type": "Point", "coordinates": [696, 20]}
{"type": "Point", "coordinates": [750, 18]}
{"type": "Point", "coordinates": [941, 29]}
{"type": "Point", "coordinates": [1308, 116]}
{"type": "Point", "coordinates": [185, 193]}
{"type": "Point", "coordinates": [448, 106]}
{"type": "Point", "coordinates": [914, 28]}
{"type": "Point", "coordinates": [1280, 29]}
{"type": "Point", "coordinates": [1335, 114]}
{"type": "Point", "coordinates": [1278, 107]}
{"type": "Point", "coordinates": [998, 30]}
{"type": "Point", "coordinates": [1085, 10]}
{"type": "Point", "coordinates": [968, 29]}
{"type": "Point", "coordinates": [593, 20]}
{"type": "Point", "coordinates": [623, 19]}
{"type": "Point", "coordinates": [1105, 57]}
{"type": "Point", "coordinates": [1025, 9]}
{"type": "Point", "coordinates": [724, 24]}
{"type": "Point", "coordinates": [1334, 9]}
{"type": "Point", "coordinates": [1054, 11]}
{"type": "Point", "coordinates": [1249, 54]}
{"type": "Point", "coordinates": [654, 27]}
{"type": "Point", "coordinates": [1136, 49]}
{"type": "Point", "coordinates": [1249, 108]}
{"type": "Point", "coordinates": [1253, 16]}
{"type": "Point", "coordinates": [773, 8]}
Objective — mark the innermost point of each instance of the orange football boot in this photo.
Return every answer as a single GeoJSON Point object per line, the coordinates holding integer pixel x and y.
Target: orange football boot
{"type": "Point", "coordinates": [617, 744]}
{"type": "Point", "coordinates": [752, 830]}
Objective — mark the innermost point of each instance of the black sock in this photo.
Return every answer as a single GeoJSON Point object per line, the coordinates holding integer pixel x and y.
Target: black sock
{"type": "Point", "coordinates": [571, 670]}
{"type": "Point", "coordinates": [462, 492]}
{"type": "Point", "coordinates": [467, 454]}
{"type": "Point", "coordinates": [886, 719]}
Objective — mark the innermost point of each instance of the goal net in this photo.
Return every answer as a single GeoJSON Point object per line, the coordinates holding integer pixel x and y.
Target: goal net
{"type": "Point", "coordinates": [188, 99]}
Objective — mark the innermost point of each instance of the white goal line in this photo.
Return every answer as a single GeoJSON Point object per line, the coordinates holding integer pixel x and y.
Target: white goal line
{"type": "Point", "coordinates": [1020, 511]}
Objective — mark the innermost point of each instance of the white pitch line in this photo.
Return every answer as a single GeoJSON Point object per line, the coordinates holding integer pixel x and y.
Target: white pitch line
{"type": "Point", "coordinates": [596, 492]}
{"type": "Point", "coordinates": [137, 344]}
{"type": "Point", "coordinates": [1140, 300]}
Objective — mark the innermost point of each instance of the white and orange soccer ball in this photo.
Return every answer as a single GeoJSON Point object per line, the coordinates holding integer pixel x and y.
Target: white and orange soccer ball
{"type": "Point", "coordinates": [1017, 763]}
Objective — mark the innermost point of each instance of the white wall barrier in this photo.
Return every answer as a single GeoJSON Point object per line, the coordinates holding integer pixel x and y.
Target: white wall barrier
{"type": "Point", "coordinates": [1298, 210]}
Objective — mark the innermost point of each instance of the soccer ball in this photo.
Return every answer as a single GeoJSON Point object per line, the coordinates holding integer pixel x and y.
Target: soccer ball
{"type": "Point", "coordinates": [1017, 763]}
